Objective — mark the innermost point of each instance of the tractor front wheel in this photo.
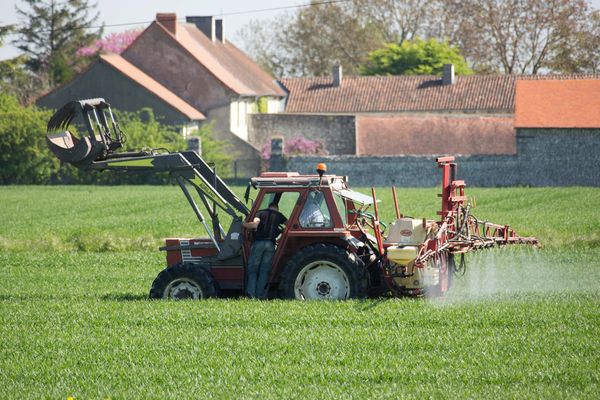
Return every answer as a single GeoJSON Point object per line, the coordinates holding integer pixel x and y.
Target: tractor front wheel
{"type": "Point", "coordinates": [324, 272]}
{"type": "Point", "coordinates": [183, 281]}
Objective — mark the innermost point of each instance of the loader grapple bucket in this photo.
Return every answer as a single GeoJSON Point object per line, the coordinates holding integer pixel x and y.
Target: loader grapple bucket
{"type": "Point", "coordinates": [100, 141]}
{"type": "Point", "coordinates": [68, 148]}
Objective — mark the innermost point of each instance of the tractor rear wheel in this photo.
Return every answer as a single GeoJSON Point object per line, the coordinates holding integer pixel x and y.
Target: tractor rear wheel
{"type": "Point", "coordinates": [183, 281]}
{"type": "Point", "coordinates": [323, 272]}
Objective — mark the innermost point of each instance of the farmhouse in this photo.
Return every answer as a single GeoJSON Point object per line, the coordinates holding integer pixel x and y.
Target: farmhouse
{"type": "Point", "coordinates": [412, 115]}
{"type": "Point", "coordinates": [188, 73]}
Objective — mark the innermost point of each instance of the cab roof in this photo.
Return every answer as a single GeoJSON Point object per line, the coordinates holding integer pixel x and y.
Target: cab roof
{"type": "Point", "coordinates": [294, 179]}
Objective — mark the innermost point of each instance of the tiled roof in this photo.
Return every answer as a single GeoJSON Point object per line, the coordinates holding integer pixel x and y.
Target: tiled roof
{"type": "Point", "coordinates": [558, 104]}
{"type": "Point", "coordinates": [434, 134]}
{"type": "Point", "coordinates": [137, 75]}
{"type": "Point", "coordinates": [407, 93]}
{"type": "Point", "coordinates": [226, 62]}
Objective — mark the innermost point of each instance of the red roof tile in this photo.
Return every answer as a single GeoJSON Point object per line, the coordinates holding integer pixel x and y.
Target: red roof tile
{"type": "Point", "coordinates": [137, 75]}
{"type": "Point", "coordinates": [226, 62]}
{"type": "Point", "coordinates": [558, 104]}
{"type": "Point", "coordinates": [407, 93]}
{"type": "Point", "coordinates": [434, 134]}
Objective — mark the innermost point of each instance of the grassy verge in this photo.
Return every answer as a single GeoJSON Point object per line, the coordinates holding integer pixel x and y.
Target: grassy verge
{"type": "Point", "coordinates": [521, 323]}
{"type": "Point", "coordinates": [126, 218]}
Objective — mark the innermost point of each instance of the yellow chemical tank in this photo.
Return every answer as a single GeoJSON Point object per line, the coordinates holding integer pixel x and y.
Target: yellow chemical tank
{"type": "Point", "coordinates": [402, 255]}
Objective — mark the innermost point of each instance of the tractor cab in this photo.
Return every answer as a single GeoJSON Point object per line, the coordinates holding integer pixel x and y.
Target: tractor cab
{"type": "Point", "coordinates": [320, 208]}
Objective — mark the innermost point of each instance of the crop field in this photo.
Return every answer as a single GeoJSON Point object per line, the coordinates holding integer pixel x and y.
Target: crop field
{"type": "Point", "coordinates": [76, 265]}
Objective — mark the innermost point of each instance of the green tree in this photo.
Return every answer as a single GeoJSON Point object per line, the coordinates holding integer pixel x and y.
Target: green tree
{"type": "Point", "coordinates": [4, 31]}
{"type": "Point", "coordinates": [24, 156]}
{"type": "Point", "coordinates": [415, 57]}
{"type": "Point", "coordinates": [17, 80]}
{"type": "Point", "coordinates": [50, 33]}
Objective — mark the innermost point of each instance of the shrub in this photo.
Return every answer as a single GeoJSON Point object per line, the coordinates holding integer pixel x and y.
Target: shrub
{"type": "Point", "coordinates": [24, 156]}
{"type": "Point", "coordinates": [295, 146]}
{"type": "Point", "coordinates": [26, 159]}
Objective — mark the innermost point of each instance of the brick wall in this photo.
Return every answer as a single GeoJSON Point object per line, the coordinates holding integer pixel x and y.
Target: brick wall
{"type": "Point", "coordinates": [545, 157]}
{"type": "Point", "coordinates": [337, 132]}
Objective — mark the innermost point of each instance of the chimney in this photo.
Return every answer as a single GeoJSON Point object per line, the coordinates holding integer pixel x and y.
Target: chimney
{"type": "Point", "coordinates": [337, 75]}
{"type": "Point", "coordinates": [220, 30]}
{"type": "Point", "coordinates": [205, 24]}
{"type": "Point", "coordinates": [448, 74]}
{"type": "Point", "coordinates": [168, 21]}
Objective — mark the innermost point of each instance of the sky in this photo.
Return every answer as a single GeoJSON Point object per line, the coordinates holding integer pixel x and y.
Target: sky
{"type": "Point", "coordinates": [127, 11]}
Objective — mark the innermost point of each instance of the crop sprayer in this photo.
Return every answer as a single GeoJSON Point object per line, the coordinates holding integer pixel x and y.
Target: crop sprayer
{"type": "Point", "coordinates": [347, 252]}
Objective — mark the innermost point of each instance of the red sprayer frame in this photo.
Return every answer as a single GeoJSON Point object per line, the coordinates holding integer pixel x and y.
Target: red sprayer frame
{"type": "Point", "coordinates": [459, 231]}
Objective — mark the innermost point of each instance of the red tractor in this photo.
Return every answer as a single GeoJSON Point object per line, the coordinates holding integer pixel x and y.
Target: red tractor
{"type": "Point", "coordinates": [333, 245]}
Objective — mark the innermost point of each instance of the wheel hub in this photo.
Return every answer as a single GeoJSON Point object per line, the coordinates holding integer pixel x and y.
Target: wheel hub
{"type": "Point", "coordinates": [323, 288]}
{"type": "Point", "coordinates": [183, 288]}
{"type": "Point", "coordinates": [322, 280]}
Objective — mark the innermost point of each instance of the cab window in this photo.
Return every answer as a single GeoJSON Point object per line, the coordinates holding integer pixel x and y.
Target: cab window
{"type": "Point", "coordinates": [286, 201]}
{"type": "Point", "coordinates": [340, 203]}
{"type": "Point", "coordinates": [315, 213]}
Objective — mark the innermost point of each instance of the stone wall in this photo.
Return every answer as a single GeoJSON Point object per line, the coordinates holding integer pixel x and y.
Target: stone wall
{"type": "Point", "coordinates": [336, 132]}
{"type": "Point", "coordinates": [545, 157]}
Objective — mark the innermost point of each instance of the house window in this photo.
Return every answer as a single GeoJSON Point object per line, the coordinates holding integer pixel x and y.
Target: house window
{"type": "Point", "coordinates": [242, 114]}
{"type": "Point", "coordinates": [234, 114]}
{"type": "Point", "coordinates": [189, 129]}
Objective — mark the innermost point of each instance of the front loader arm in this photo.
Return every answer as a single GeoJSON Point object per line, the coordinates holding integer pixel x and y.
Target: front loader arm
{"type": "Point", "coordinates": [187, 165]}
{"type": "Point", "coordinates": [97, 151]}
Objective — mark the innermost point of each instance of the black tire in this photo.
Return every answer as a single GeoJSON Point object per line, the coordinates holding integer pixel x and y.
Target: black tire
{"type": "Point", "coordinates": [183, 281]}
{"type": "Point", "coordinates": [324, 272]}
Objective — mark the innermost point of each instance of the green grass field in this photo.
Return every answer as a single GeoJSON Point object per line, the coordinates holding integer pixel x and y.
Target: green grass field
{"type": "Point", "coordinates": [76, 264]}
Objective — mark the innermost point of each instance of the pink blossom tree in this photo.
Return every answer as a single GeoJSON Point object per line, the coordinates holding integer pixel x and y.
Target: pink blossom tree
{"type": "Point", "coordinates": [115, 42]}
{"type": "Point", "coordinates": [295, 146]}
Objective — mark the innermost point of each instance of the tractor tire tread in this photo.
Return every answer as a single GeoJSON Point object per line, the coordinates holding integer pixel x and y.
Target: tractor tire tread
{"type": "Point", "coordinates": [358, 274]}
{"type": "Point", "coordinates": [198, 273]}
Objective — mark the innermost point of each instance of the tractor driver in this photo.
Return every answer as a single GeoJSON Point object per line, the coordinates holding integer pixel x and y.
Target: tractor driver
{"type": "Point", "coordinates": [266, 226]}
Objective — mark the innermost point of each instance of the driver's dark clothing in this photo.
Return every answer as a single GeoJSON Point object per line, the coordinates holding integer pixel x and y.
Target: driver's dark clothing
{"type": "Point", "coordinates": [262, 251]}
{"type": "Point", "coordinates": [268, 228]}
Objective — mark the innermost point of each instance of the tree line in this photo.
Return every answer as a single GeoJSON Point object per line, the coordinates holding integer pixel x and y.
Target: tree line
{"type": "Point", "coordinates": [368, 37]}
{"type": "Point", "coordinates": [494, 36]}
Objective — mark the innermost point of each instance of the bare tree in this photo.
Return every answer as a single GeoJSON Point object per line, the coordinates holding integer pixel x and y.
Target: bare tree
{"type": "Point", "coordinates": [312, 39]}
{"type": "Point", "coordinates": [582, 52]}
{"type": "Point", "coordinates": [514, 36]}
{"type": "Point", "coordinates": [506, 36]}
{"type": "Point", "coordinates": [396, 20]}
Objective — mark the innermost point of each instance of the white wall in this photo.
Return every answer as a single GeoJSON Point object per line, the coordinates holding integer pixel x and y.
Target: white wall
{"type": "Point", "coordinates": [189, 129]}
{"type": "Point", "coordinates": [239, 110]}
